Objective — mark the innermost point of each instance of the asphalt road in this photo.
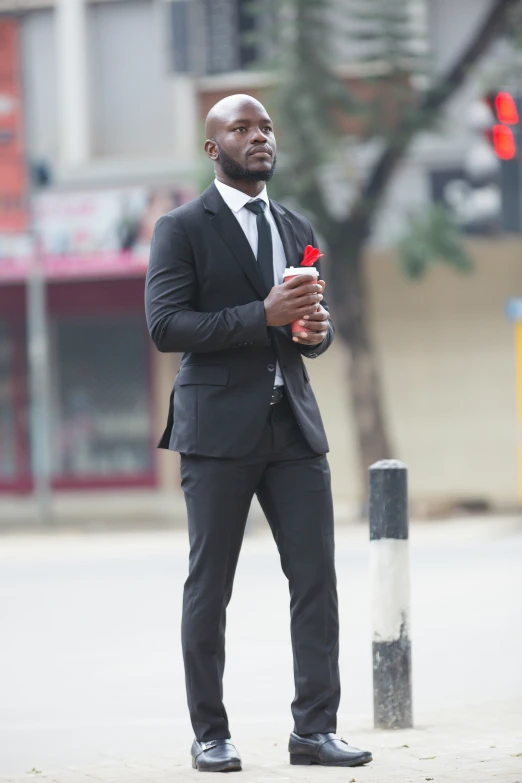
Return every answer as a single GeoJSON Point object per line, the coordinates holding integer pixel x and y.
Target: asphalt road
{"type": "Point", "coordinates": [90, 663]}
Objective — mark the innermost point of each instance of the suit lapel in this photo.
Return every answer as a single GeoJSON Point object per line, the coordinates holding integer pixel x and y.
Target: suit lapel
{"type": "Point", "coordinates": [287, 234]}
{"type": "Point", "coordinates": [227, 226]}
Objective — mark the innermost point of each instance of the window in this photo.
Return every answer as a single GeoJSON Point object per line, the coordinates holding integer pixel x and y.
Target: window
{"type": "Point", "coordinates": [101, 396]}
{"type": "Point", "coordinates": [217, 36]}
{"type": "Point", "coordinates": [130, 90]}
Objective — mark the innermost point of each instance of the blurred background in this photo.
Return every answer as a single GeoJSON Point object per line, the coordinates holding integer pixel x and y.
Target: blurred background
{"type": "Point", "coordinates": [399, 136]}
{"type": "Point", "coordinates": [395, 142]}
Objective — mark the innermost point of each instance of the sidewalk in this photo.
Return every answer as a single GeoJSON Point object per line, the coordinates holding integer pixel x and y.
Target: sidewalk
{"type": "Point", "coordinates": [471, 745]}
{"type": "Point", "coordinates": [104, 690]}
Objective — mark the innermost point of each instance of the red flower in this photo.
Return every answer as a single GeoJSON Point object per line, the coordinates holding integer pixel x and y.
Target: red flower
{"type": "Point", "coordinates": [310, 255]}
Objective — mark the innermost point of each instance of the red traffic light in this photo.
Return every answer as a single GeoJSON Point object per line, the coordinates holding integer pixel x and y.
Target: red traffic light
{"type": "Point", "coordinates": [503, 142]}
{"type": "Point", "coordinates": [506, 108]}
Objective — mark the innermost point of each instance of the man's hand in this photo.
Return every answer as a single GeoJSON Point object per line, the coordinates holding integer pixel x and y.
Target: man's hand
{"type": "Point", "coordinates": [297, 298]}
{"type": "Point", "coordinates": [315, 328]}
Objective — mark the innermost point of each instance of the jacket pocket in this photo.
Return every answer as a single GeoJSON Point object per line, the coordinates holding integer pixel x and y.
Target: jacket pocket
{"type": "Point", "coordinates": [210, 375]}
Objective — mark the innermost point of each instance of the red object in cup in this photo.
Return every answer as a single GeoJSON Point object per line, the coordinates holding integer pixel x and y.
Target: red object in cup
{"type": "Point", "coordinates": [294, 271]}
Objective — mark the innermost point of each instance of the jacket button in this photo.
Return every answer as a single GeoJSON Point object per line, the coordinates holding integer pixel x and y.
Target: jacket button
{"type": "Point", "coordinates": [271, 367]}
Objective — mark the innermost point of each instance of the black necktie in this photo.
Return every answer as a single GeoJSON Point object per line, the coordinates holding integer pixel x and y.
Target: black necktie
{"type": "Point", "coordinates": [265, 256]}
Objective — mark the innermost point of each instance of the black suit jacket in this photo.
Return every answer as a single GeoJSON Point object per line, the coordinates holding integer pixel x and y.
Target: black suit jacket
{"type": "Point", "coordinates": [204, 296]}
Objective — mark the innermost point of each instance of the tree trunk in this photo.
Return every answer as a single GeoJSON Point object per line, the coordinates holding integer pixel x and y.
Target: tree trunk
{"type": "Point", "coordinates": [348, 294]}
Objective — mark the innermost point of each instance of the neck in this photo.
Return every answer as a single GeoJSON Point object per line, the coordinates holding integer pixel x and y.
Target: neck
{"type": "Point", "coordinates": [251, 188]}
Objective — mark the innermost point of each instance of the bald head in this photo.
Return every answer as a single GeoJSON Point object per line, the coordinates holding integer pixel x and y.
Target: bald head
{"type": "Point", "coordinates": [228, 108]}
{"type": "Point", "coordinates": [240, 141]}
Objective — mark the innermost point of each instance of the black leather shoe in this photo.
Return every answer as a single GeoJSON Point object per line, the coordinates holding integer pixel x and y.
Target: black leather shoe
{"type": "Point", "coordinates": [328, 750]}
{"type": "Point", "coordinates": [215, 756]}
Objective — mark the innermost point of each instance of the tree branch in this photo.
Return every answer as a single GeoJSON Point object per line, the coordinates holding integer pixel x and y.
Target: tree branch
{"type": "Point", "coordinates": [434, 99]}
{"type": "Point", "coordinates": [486, 34]}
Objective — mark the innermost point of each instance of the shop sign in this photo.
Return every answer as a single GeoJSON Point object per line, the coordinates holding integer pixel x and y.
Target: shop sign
{"type": "Point", "coordinates": [13, 180]}
{"type": "Point", "coordinates": [88, 234]}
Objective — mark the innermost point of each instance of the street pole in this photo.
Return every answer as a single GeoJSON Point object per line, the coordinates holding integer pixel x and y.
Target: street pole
{"type": "Point", "coordinates": [39, 382]}
{"type": "Point", "coordinates": [17, 216]}
{"type": "Point", "coordinates": [514, 313]}
{"type": "Point", "coordinates": [390, 585]}
{"type": "Point", "coordinates": [518, 359]}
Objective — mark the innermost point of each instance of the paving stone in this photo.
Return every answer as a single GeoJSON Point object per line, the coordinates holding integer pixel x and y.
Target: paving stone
{"type": "Point", "coordinates": [462, 754]}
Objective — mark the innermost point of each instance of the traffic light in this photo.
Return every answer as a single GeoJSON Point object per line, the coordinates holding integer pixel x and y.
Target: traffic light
{"type": "Point", "coordinates": [504, 130]}
{"type": "Point", "coordinates": [505, 108]}
{"type": "Point", "coordinates": [505, 138]}
{"type": "Point", "coordinates": [484, 193]}
{"type": "Point", "coordinates": [503, 142]}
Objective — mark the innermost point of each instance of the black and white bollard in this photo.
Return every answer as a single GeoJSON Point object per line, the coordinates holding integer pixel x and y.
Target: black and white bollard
{"type": "Point", "coordinates": [390, 584]}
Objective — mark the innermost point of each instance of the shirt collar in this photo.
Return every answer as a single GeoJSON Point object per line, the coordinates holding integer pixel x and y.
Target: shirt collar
{"type": "Point", "coordinates": [236, 199]}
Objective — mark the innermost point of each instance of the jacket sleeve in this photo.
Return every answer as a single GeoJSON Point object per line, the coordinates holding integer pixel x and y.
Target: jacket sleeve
{"type": "Point", "coordinates": [170, 294]}
{"type": "Point", "coordinates": [313, 351]}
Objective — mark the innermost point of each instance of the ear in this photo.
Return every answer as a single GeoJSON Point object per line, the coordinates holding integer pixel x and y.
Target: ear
{"type": "Point", "coordinates": [211, 149]}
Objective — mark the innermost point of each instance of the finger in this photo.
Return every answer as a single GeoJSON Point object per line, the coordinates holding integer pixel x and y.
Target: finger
{"type": "Point", "coordinates": [305, 307]}
{"type": "Point", "coordinates": [307, 299]}
{"type": "Point", "coordinates": [318, 317]}
{"type": "Point", "coordinates": [312, 322]}
{"type": "Point", "coordinates": [308, 338]}
{"type": "Point", "coordinates": [308, 343]}
{"type": "Point", "coordinates": [303, 312]}
{"type": "Point", "coordinates": [314, 337]}
{"type": "Point", "coordinates": [313, 326]}
{"type": "Point", "coordinates": [308, 288]}
{"type": "Point", "coordinates": [318, 310]}
{"type": "Point", "coordinates": [322, 284]}
{"type": "Point", "coordinates": [299, 280]}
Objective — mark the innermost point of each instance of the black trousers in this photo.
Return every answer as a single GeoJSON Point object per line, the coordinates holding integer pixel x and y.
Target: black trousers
{"type": "Point", "coordinates": [292, 484]}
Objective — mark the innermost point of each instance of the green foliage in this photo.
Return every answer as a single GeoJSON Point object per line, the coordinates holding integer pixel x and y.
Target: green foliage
{"type": "Point", "coordinates": [433, 238]}
{"type": "Point", "coordinates": [513, 27]}
{"type": "Point", "coordinates": [309, 98]}
{"type": "Point", "coordinates": [506, 70]}
{"type": "Point", "coordinates": [340, 60]}
{"type": "Point", "coordinates": [388, 39]}
{"type": "Point", "coordinates": [386, 42]}
{"type": "Point", "coordinates": [312, 97]}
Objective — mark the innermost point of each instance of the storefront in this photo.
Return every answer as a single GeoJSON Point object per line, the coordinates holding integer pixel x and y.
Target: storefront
{"type": "Point", "coordinates": [102, 381]}
{"type": "Point", "coordinates": [101, 387]}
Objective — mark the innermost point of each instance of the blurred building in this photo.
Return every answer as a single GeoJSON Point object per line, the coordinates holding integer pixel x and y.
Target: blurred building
{"type": "Point", "coordinates": [113, 95]}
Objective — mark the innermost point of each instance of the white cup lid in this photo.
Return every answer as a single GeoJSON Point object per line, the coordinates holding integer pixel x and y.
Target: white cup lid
{"type": "Point", "coordinates": [301, 270]}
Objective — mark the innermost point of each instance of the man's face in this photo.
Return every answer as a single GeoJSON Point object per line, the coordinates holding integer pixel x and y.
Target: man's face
{"type": "Point", "coordinates": [244, 146]}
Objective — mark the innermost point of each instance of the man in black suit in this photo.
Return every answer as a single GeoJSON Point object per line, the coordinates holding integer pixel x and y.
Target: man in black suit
{"type": "Point", "coordinates": [245, 420]}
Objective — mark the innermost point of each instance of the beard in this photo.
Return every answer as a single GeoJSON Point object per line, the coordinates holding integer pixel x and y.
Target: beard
{"type": "Point", "coordinates": [234, 170]}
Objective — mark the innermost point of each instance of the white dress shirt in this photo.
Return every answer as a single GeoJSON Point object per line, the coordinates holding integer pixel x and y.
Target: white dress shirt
{"type": "Point", "coordinates": [236, 200]}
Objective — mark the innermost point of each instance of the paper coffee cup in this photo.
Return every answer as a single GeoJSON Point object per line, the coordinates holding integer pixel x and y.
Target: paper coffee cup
{"type": "Point", "coordinates": [294, 271]}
